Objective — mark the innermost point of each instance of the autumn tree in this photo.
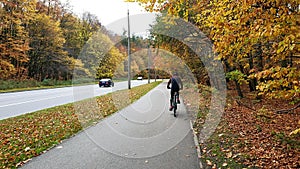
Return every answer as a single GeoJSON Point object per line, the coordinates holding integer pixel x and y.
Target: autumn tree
{"type": "Point", "coordinates": [72, 32]}
{"type": "Point", "coordinates": [260, 39]}
{"type": "Point", "coordinates": [167, 26]}
{"type": "Point", "coordinates": [47, 54]}
{"type": "Point", "coordinates": [14, 41]}
{"type": "Point", "coordinates": [41, 39]}
{"type": "Point", "coordinates": [52, 8]}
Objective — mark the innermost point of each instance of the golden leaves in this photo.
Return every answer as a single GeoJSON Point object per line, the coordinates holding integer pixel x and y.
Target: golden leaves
{"type": "Point", "coordinates": [295, 132]}
{"type": "Point", "coordinates": [278, 78]}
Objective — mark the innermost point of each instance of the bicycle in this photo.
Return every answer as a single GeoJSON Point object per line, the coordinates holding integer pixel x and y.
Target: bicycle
{"type": "Point", "coordinates": [174, 103]}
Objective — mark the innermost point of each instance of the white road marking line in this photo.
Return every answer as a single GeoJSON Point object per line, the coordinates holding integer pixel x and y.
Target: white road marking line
{"type": "Point", "coordinates": [30, 101]}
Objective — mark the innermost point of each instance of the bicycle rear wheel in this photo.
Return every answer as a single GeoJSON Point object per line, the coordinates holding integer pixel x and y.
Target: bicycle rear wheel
{"type": "Point", "coordinates": [175, 105]}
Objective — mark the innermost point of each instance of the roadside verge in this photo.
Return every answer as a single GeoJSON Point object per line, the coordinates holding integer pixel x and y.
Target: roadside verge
{"type": "Point", "coordinates": [29, 135]}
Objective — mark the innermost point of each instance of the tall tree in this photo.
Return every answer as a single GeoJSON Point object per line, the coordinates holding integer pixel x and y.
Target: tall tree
{"type": "Point", "coordinates": [14, 41]}
{"type": "Point", "coordinates": [72, 31]}
{"type": "Point", "coordinates": [177, 46]}
{"type": "Point", "coordinates": [47, 54]}
{"type": "Point", "coordinates": [52, 8]}
{"type": "Point", "coordinates": [90, 25]}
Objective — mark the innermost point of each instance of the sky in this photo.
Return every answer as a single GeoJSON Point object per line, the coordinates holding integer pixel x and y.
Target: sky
{"type": "Point", "coordinates": [113, 14]}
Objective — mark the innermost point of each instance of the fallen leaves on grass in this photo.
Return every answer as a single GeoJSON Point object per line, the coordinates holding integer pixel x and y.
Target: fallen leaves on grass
{"type": "Point", "coordinates": [27, 136]}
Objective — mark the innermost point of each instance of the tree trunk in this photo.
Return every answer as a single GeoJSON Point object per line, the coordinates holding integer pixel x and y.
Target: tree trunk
{"type": "Point", "coordinates": [228, 69]}
{"type": "Point", "coordinates": [238, 88]}
{"type": "Point", "coordinates": [291, 60]}
{"type": "Point", "coordinates": [260, 58]}
{"type": "Point", "coordinates": [252, 85]}
{"type": "Point", "coordinates": [252, 82]}
{"type": "Point", "coordinates": [284, 63]}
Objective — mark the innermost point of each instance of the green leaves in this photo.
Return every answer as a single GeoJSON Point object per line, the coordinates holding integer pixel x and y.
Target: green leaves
{"type": "Point", "coordinates": [238, 76]}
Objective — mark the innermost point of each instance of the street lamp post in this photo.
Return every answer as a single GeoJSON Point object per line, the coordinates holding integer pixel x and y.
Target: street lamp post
{"type": "Point", "coordinates": [129, 59]}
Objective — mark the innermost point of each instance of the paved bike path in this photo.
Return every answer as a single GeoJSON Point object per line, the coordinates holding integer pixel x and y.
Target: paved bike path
{"type": "Point", "coordinates": [142, 135]}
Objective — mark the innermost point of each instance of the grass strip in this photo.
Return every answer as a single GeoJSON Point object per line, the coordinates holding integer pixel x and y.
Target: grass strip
{"type": "Point", "coordinates": [43, 87]}
{"type": "Point", "coordinates": [29, 135]}
{"type": "Point", "coordinates": [31, 84]}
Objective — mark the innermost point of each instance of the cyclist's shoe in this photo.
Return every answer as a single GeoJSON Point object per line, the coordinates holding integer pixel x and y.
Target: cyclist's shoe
{"type": "Point", "coordinates": [171, 108]}
{"type": "Point", "coordinates": [178, 101]}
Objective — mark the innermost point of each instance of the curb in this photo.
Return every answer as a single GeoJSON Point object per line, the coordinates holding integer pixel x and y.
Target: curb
{"type": "Point", "coordinates": [197, 145]}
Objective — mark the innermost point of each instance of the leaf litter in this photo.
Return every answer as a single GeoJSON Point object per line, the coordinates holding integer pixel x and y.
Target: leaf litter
{"type": "Point", "coordinates": [251, 139]}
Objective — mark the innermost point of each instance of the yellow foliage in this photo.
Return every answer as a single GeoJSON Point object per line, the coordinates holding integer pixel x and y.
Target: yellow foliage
{"type": "Point", "coordinates": [295, 132]}
{"type": "Point", "coordinates": [268, 32]}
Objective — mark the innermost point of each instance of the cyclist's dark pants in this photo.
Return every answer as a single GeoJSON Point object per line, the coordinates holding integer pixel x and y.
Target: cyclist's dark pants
{"type": "Point", "coordinates": [172, 96]}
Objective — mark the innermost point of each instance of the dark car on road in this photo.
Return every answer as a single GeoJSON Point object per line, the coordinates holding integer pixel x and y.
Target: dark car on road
{"type": "Point", "coordinates": [106, 83]}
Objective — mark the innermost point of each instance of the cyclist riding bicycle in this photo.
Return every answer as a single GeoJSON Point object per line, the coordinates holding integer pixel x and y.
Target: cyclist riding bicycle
{"type": "Point", "coordinates": [176, 85]}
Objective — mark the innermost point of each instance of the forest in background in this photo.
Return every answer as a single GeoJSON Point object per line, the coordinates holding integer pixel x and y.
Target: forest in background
{"type": "Point", "coordinates": [43, 40]}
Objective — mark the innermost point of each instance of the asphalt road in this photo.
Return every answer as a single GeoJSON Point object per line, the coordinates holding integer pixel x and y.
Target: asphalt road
{"type": "Point", "coordinates": [17, 103]}
{"type": "Point", "coordinates": [144, 135]}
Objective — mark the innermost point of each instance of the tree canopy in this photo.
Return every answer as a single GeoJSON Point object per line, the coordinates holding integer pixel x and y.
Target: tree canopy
{"type": "Point", "coordinates": [46, 40]}
{"type": "Point", "coordinates": [259, 39]}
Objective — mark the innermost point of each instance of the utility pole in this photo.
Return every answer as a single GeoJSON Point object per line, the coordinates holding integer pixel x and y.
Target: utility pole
{"type": "Point", "coordinates": [149, 55]}
{"type": "Point", "coordinates": [129, 59]}
{"type": "Point", "coordinates": [154, 74]}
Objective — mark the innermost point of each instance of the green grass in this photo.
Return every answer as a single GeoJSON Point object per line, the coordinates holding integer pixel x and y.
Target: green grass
{"type": "Point", "coordinates": [286, 140]}
{"type": "Point", "coordinates": [29, 135]}
{"type": "Point", "coordinates": [30, 84]}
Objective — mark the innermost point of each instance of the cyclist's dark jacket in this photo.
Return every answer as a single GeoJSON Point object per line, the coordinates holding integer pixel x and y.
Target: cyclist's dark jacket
{"type": "Point", "coordinates": [176, 83]}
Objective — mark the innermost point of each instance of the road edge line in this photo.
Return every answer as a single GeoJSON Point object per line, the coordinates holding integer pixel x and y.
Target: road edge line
{"type": "Point", "coordinates": [196, 142]}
